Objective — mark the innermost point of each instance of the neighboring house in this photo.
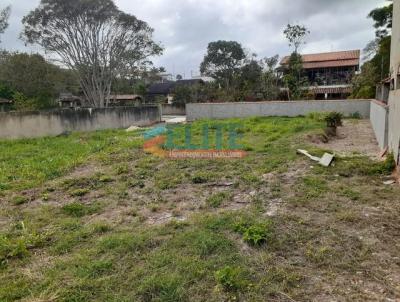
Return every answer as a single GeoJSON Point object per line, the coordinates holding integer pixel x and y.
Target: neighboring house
{"type": "Point", "coordinates": [394, 95]}
{"type": "Point", "coordinates": [204, 78]}
{"type": "Point", "coordinates": [164, 92]}
{"type": "Point", "coordinates": [68, 100]}
{"type": "Point", "coordinates": [125, 100]}
{"type": "Point", "coordinates": [5, 105]}
{"type": "Point", "coordinates": [329, 74]}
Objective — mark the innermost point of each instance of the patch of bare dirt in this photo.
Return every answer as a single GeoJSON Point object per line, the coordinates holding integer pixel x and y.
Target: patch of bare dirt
{"type": "Point", "coordinates": [356, 136]}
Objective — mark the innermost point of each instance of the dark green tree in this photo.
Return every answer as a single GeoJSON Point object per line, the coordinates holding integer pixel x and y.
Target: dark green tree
{"type": "Point", "coordinates": [35, 78]}
{"type": "Point", "coordinates": [251, 77]}
{"type": "Point", "coordinates": [223, 61]}
{"type": "Point", "coordinates": [93, 38]}
{"type": "Point", "coordinates": [383, 19]}
{"type": "Point", "coordinates": [294, 78]}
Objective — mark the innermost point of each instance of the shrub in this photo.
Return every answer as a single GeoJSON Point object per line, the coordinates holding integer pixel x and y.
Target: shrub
{"type": "Point", "coordinates": [334, 119]}
{"type": "Point", "coordinates": [388, 165]}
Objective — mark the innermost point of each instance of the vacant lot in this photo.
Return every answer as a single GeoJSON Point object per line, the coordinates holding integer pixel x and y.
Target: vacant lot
{"type": "Point", "coordinates": [91, 217]}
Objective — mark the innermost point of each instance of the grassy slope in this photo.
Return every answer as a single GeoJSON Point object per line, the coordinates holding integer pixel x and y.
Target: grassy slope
{"type": "Point", "coordinates": [87, 238]}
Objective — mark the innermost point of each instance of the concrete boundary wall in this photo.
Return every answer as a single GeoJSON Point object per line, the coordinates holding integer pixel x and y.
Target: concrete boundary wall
{"type": "Point", "coordinates": [394, 124]}
{"type": "Point", "coordinates": [380, 122]}
{"type": "Point", "coordinates": [50, 123]}
{"type": "Point", "coordinates": [291, 109]}
{"type": "Point", "coordinates": [173, 109]}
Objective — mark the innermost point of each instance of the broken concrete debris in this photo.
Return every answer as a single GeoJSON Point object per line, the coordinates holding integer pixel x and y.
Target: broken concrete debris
{"type": "Point", "coordinates": [389, 182]}
{"type": "Point", "coordinates": [325, 161]}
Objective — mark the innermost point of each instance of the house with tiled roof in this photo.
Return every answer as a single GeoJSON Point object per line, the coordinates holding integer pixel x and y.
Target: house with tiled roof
{"type": "Point", "coordinates": [329, 74]}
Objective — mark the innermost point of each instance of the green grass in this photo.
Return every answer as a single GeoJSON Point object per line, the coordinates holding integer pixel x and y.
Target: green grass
{"type": "Point", "coordinates": [100, 235]}
{"type": "Point", "coordinates": [218, 199]}
{"type": "Point", "coordinates": [30, 162]}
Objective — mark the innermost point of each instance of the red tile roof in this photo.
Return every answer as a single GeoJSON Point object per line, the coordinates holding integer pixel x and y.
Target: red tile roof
{"type": "Point", "coordinates": [328, 59]}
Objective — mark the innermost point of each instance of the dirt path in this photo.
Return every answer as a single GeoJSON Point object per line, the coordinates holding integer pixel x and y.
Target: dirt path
{"type": "Point", "coordinates": [356, 136]}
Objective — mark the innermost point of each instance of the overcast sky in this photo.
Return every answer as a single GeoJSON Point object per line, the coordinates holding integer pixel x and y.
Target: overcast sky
{"type": "Point", "coordinates": [185, 27]}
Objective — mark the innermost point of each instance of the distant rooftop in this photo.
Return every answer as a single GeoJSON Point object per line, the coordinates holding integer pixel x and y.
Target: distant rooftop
{"type": "Point", "coordinates": [328, 59]}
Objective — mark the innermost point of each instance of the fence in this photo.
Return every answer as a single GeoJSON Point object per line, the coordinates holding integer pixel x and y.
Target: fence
{"type": "Point", "coordinates": [380, 122]}
{"type": "Point", "coordinates": [291, 109]}
{"type": "Point", "coordinates": [173, 109]}
{"type": "Point", "coordinates": [49, 123]}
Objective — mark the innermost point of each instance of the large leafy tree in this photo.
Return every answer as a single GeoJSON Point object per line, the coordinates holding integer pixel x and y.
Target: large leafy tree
{"type": "Point", "coordinates": [377, 53]}
{"type": "Point", "coordinates": [4, 15]}
{"type": "Point", "coordinates": [93, 38]}
{"type": "Point", "coordinates": [223, 60]}
{"type": "Point", "coordinates": [33, 76]}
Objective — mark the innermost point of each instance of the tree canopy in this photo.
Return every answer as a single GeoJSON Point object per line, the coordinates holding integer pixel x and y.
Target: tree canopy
{"type": "Point", "coordinates": [4, 15]}
{"type": "Point", "coordinates": [377, 53]}
{"type": "Point", "coordinates": [223, 60]}
{"type": "Point", "coordinates": [93, 38]}
{"type": "Point", "coordinates": [383, 19]}
{"type": "Point", "coordinates": [296, 35]}
{"type": "Point", "coordinates": [37, 81]}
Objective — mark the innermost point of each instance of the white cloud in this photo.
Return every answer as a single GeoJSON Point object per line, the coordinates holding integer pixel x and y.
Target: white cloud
{"type": "Point", "coordinates": [185, 27]}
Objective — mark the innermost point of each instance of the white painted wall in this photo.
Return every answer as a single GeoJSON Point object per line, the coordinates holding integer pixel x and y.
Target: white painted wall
{"type": "Point", "coordinates": [394, 97]}
{"type": "Point", "coordinates": [291, 109]}
{"type": "Point", "coordinates": [380, 122]}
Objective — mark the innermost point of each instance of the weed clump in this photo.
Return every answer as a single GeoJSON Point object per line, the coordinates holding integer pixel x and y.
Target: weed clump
{"type": "Point", "coordinates": [79, 210]}
{"type": "Point", "coordinates": [218, 199]}
{"type": "Point", "coordinates": [19, 200]}
{"type": "Point", "coordinates": [230, 278]}
{"type": "Point", "coordinates": [201, 178]}
{"type": "Point", "coordinates": [255, 234]}
{"type": "Point", "coordinates": [79, 192]}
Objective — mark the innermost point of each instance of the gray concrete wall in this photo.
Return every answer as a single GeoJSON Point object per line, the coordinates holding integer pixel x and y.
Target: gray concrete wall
{"type": "Point", "coordinates": [49, 123]}
{"type": "Point", "coordinates": [173, 109]}
{"type": "Point", "coordinates": [394, 96]}
{"type": "Point", "coordinates": [394, 123]}
{"type": "Point", "coordinates": [395, 51]}
{"type": "Point", "coordinates": [291, 109]}
{"type": "Point", "coordinates": [380, 122]}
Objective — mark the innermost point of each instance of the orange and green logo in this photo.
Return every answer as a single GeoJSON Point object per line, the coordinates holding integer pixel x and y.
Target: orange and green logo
{"type": "Point", "coordinates": [218, 141]}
